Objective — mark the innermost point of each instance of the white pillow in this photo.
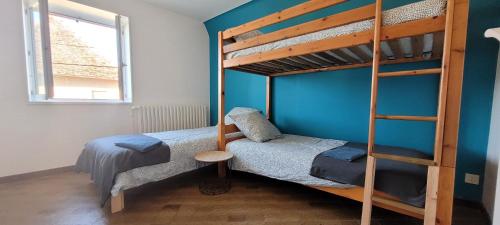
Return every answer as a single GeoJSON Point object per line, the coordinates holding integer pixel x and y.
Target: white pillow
{"type": "Point", "coordinates": [248, 35]}
{"type": "Point", "coordinates": [255, 127]}
{"type": "Point", "coordinates": [237, 110]}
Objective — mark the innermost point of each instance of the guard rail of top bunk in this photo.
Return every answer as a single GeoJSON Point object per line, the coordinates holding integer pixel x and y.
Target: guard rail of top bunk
{"type": "Point", "coordinates": [316, 56]}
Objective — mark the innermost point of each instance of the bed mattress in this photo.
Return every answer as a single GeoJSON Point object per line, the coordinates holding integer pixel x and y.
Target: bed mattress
{"type": "Point", "coordinates": [406, 13]}
{"type": "Point", "coordinates": [184, 144]}
{"type": "Point", "coordinates": [288, 158]}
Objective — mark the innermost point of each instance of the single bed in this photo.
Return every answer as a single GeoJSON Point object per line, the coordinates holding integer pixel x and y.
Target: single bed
{"type": "Point", "coordinates": [287, 158]}
{"type": "Point", "coordinates": [184, 144]}
{"type": "Point", "coordinates": [101, 157]}
{"type": "Point", "coordinates": [302, 160]}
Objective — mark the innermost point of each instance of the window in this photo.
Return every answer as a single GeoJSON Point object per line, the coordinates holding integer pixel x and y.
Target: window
{"type": "Point", "coordinates": [76, 53]}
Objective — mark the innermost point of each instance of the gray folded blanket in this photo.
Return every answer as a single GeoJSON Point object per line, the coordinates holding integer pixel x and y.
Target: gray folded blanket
{"type": "Point", "coordinates": [346, 153]}
{"type": "Point", "coordinates": [140, 143]}
{"type": "Point", "coordinates": [103, 159]}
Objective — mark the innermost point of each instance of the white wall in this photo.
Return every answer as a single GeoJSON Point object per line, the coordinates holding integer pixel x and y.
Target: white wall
{"type": "Point", "coordinates": [170, 65]}
{"type": "Point", "coordinates": [491, 177]}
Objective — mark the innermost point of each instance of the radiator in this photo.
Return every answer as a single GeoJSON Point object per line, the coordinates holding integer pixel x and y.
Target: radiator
{"type": "Point", "coordinates": [148, 119]}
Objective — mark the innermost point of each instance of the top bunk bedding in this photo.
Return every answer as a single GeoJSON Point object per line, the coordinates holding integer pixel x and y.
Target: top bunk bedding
{"type": "Point", "coordinates": [406, 13]}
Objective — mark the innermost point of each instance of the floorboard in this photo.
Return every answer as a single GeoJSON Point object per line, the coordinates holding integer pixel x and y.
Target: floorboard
{"type": "Point", "coordinates": [70, 199]}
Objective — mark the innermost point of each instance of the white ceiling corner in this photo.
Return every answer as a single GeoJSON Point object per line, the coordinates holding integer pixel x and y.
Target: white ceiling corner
{"type": "Point", "coordinates": [201, 10]}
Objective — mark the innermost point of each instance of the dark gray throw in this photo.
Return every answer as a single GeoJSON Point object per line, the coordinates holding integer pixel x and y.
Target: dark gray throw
{"type": "Point", "coordinates": [140, 143]}
{"type": "Point", "coordinates": [104, 160]}
{"type": "Point", "coordinates": [405, 181]}
{"type": "Point", "coordinates": [345, 153]}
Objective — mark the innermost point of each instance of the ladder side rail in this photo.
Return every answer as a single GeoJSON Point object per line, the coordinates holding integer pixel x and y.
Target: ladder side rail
{"type": "Point", "coordinates": [371, 164]}
{"type": "Point", "coordinates": [443, 90]}
{"type": "Point", "coordinates": [432, 190]}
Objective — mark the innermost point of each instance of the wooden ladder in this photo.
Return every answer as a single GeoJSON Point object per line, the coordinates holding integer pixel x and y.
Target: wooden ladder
{"type": "Point", "coordinates": [429, 212]}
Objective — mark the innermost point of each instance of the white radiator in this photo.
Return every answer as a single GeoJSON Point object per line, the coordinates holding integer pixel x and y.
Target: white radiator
{"type": "Point", "coordinates": [169, 117]}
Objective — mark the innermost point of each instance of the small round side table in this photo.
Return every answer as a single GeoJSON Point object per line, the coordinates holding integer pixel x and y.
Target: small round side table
{"type": "Point", "coordinates": [214, 185]}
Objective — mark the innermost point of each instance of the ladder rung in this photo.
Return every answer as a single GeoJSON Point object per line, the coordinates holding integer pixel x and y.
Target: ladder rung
{"type": "Point", "coordinates": [405, 159]}
{"type": "Point", "coordinates": [399, 205]}
{"type": "Point", "coordinates": [411, 72]}
{"type": "Point", "coordinates": [414, 118]}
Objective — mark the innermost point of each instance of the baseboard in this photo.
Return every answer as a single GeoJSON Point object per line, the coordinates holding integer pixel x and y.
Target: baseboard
{"type": "Point", "coordinates": [35, 174]}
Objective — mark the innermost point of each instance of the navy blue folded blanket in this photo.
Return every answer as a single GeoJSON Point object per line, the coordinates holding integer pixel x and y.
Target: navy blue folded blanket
{"type": "Point", "coordinates": [141, 143]}
{"type": "Point", "coordinates": [346, 153]}
{"type": "Point", "coordinates": [103, 158]}
{"type": "Point", "coordinates": [402, 180]}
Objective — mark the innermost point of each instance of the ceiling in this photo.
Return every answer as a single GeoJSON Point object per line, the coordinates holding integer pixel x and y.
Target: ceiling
{"type": "Point", "coordinates": [202, 10]}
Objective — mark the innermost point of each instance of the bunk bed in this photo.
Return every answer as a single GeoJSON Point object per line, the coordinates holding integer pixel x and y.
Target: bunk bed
{"type": "Point", "coordinates": [426, 30]}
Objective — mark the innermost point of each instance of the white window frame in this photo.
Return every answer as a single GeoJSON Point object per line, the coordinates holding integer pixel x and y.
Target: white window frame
{"type": "Point", "coordinates": [123, 53]}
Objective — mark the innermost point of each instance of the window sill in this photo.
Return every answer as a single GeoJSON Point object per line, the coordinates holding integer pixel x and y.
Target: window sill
{"type": "Point", "coordinates": [79, 101]}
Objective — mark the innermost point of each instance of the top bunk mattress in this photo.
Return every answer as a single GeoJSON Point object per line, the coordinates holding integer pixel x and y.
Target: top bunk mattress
{"type": "Point", "coordinates": [288, 158]}
{"type": "Point", "coordinates": [415, 11]}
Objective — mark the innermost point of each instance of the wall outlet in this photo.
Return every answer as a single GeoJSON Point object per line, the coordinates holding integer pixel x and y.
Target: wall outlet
{"type": "Point", "coordinates": [472, 178]}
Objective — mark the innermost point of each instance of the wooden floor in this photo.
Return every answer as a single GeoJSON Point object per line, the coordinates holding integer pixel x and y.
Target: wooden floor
{"type": "Point", "coordinates": [70, 199]}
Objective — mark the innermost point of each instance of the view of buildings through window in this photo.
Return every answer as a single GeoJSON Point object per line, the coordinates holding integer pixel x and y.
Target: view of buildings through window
{"type": "Point", "coordinates": [75, 52]}
{"type": "Point", "coordinates": [84, 59]}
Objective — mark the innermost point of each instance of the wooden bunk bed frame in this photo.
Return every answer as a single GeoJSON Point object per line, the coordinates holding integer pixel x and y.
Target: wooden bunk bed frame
{"type": "Point", "coordinates": [291, 60]}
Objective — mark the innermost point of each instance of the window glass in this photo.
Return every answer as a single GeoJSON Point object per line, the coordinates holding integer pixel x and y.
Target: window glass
{"type": "Point", "coordinates": [35, 42]}
{"type": "Point", "coordinates": [76, 52]}
{"type": "Point", "coordinates": [84, 59]}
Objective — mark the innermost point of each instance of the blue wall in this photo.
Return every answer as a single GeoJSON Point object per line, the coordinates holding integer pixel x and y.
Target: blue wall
{"type": "Point", "coordinates": [336, 104]}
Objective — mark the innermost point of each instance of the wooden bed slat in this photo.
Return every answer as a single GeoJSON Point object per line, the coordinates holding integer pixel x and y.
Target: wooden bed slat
{"type": "Point", "coordinates": [265, 67]}
{"type": "Point", "coordinates": [437, 44]}
{"type": "Point", "coordinates": [258, 69]}
{"type": "Point", "coordinates": [435, 71]}
{"type": "Point", "coordinates": [361, 54]}
{"type": "Point", "coordinates": [417, 44]}
{"type": "Point", "coordinates": [419, 27]}
{"type": "Point", "coordinates": [360, 65]}
{"type": "Point", "coordinates": [411, 118]}
{"type": "Point", "coordinates": [303, 61]}
{"type": "Point", "coordinates": [317, 60]}
{"type": "Point", "coordinates": [331, 58]}
{"type": "Point", "coordinates": [348, 58]}
{"type": "Point", "coordinates": [351, 16]}
{"type": "Point", "coordinates": [293, 63]}
{"type": "Point", "coordinates": [304, 8]}
{"type": "Point", "coordinates": [405, 159]}
{"type": "Point", "coordinates": [396, 49]}
{"type": "Point", "coordinates": [247, 70]}
{"type": "Point", "coordinates": [397, 204]}
{"type": "Point", "coordinates": [274, 66]}
{"type": "Point", "coordinates": [284, 66]}
{"type": "Point", "coordinates": [296, 63]}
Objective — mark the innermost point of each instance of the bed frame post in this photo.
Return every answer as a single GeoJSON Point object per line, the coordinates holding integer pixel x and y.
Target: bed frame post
{"type": "Point", "coordinates": [451, 124]}
{"type": "Point", "coordinates": [221, 140]}
{"type": "Point", "coordinates": [268, 97]}
{"type": "Point", "coordinates": [117, 202]}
